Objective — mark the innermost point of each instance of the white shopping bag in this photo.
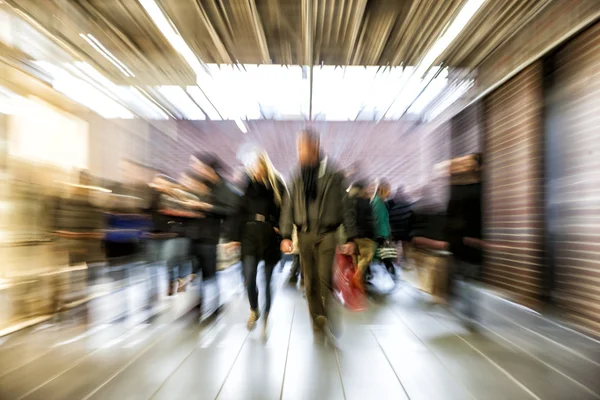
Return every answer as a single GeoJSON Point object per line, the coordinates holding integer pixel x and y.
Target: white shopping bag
{"type": "Point", "coordinates": [381, 280]}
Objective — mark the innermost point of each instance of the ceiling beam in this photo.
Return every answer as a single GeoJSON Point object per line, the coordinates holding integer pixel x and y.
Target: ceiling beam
{"type": "Point", "coordinates": [221, 49]}
{"type": "Point", "coordinates": [260, 33]}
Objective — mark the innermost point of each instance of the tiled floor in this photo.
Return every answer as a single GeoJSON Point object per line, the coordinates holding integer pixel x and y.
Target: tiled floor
{"type": "Point", "coordinates": [401, 348]}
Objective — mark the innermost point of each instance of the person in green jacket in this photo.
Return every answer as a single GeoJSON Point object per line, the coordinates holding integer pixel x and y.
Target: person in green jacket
{"type": "Point", "coordinates": [381, 219]}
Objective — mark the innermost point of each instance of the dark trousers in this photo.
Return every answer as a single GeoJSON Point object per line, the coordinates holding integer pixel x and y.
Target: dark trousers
{"type": "Point", "coordinates": [317, 252]}
{"type": "Point", "coordinates": [250, 265]}
{"type": "Point", "coordinates": [204, 260]}
{"type": "Point", "coordinates": [175, 253]}
{"type": "Point", "coordinates": [260, 242]}
{"type": "Point", "coordinates": [463, 293]}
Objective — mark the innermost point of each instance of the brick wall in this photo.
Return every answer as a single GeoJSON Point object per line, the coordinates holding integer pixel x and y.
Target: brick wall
{"type": "Point", "coordinates": [574, 201]}
{"type": "Point", "coordinates": [513, 176]}
{"type": "Point", "coordinates": [383, 150]}
{"type": "Point", "coordinates": [467, 131]}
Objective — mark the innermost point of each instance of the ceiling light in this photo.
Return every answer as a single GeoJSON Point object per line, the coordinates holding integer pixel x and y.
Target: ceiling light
{"type": "Point", "coordinates": [200, 98]}
{"type": "Point", "coordinates": [180, 100]}
{"type": "Point", "coordinates": [167, 28]}
{"type": "Point", "coordinates": [151, 99]}
{"type": "Point", "coordinates": [454, 93]}
{"type": "Point", "coordinates": [127, 95]}
{"type": "Point", "coordinates": [155, 111]}
{"type": "Point", "coordinates": [456, 26]}
{"type": "Point", "coordinates": [99, 47]}
{"type": "Point", "coordinates": [84, 93]}
{"type": "Point", "coordinates": [241, 125]}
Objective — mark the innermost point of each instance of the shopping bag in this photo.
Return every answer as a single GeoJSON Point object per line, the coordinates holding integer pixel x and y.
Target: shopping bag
{"type": "Point", "coordinates": [346, 291]}
{"type": "Point", "coordinates": [380, 280]}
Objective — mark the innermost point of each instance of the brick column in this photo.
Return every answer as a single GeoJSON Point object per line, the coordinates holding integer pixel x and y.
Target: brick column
{"type": "Point", "coordinates": [513, 198]}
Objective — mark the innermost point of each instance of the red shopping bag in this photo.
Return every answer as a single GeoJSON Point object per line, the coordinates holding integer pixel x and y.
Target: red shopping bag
{"type": "Point", "coordinates": [346, 291]}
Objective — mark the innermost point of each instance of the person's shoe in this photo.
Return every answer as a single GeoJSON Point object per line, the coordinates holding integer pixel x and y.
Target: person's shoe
{"type": "Point", "coordinates": [172, 288]}
{"type": "Point", "coordinates": [254, 316]}
{"type": "Point", "coordinates": [181, 285]}
{"type": "Point", "coordinates": [323, 324]}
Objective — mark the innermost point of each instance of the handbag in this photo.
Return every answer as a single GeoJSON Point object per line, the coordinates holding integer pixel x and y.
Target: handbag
{"type": "Point", "coordinates": [387, 250]}
{"type": "Point", "coordinates": [349, 295]}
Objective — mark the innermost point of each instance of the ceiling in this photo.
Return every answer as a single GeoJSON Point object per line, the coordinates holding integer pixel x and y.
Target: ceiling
{"type": "Point", "coordinates": [346, 32]}
{"type": "Point", "coordinates": [373, 33]}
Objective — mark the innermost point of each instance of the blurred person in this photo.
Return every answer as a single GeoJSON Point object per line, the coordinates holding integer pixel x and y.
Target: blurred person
{"type": "Point", "coordinates": [365, 231]}
{"type": "Point", "coordinates": [169, 219]}
{"type": "Point", "coordinates": [317, 205]}
{"type": "Point", "coordinates": [464, 230]}
{"type": "Point", "coordinates": [383, 231]}
{"type": "Point", "coordinates": [400, 211]}
{"type": "Point", "coordinates": [217, 200]}
{"type": "Point", "coordinates": [78, 222]}
{"type": "Point", "coordinates": [429, 246]}
{"type": "Point", "coordinates": [124, 225]}
{"type": "Point", "coordinates": [258, 230]}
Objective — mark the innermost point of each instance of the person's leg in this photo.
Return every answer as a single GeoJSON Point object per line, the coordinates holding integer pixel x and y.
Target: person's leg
{"type": "Point", "coordinates": [208, 264]}
{"type": "Point", "coordinates": [389, 265]}
{"type": "Point", "coordinates": [366, 252]}
{"type": "Point", "coordinates": [169, 255]}
{"type": "Point", "coordinates": [307, 243]}
{"type": "Point", "coordinates": [269, 268]}
{"type": "Point", "coordinates": [250, 265]}
{"type": "Point", "coordinates": [186, 250]}
{"type": "Point", "coordinates": [325, 254]}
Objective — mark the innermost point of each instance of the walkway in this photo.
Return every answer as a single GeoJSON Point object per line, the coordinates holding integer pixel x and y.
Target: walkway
{"type": "Point", "coordinates": [401, 348]}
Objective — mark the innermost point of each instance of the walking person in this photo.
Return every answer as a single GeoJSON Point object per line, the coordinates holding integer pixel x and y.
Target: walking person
{"type": "Point", "coordinates": [258, 231]}
{"type": "Point", "coordinates": [365, 231]}
{"type": "Point", "coordinates": [170, 218]}
{"type": "Point", "coordinates": [317, 204]}
{"type": "Point", "coordinates": [216, 201]}
{"type": "Point", "coordinates": [386, 251]}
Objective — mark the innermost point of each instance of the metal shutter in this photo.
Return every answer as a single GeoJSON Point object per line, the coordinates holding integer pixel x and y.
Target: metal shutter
{"type": "Point", "coordinates": [513, 185]}
{"type": "Point", "coordinates": [466, 131]}
{"type": "Point", "coordinates": [575, 191]}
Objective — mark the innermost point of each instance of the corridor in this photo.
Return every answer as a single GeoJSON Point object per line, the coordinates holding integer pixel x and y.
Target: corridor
{"type": "Point", "coordinates": [401, 348]}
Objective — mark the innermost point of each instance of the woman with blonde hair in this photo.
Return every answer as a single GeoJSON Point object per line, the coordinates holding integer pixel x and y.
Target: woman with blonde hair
{"type": "Point", "coordinates": [257, 229]}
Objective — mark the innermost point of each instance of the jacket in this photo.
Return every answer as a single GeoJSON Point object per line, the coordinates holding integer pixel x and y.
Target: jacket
{"type": "Point", "coordinates": [382, 218]}
{"type": "Point", "coordinates": [400, 213]}
{"type": "Point", "coordinates": [224, 201]}
{"type": "Point", "coordinates": [464, 220]}
{"type": "Point", "coordinates": [335, 207]}
{"type": "Point", "coordinates": [257, 199]}
{"type": "Point", "coordinates": [365, 224]}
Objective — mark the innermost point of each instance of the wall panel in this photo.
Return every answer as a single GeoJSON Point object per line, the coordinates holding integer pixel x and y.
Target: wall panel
{"type": "Point", "coordinates": [574, 195]}
{"type": "Point", "coordinates": [467, 131]}
{"type": "Point", "coordinates": [513, 176]}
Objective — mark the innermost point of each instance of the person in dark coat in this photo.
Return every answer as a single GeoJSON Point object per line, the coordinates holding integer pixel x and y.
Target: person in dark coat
{"type": "Point", "coordinates": [216, 201]}
{"type": "Point", "coordinates": [317, 205]}
{"type": "Point", "coordinates": [258, 230]}
{"type": "Point", "coordinates": [170, 216]}
{"type": "Point", "coordinates": [365, 230]}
